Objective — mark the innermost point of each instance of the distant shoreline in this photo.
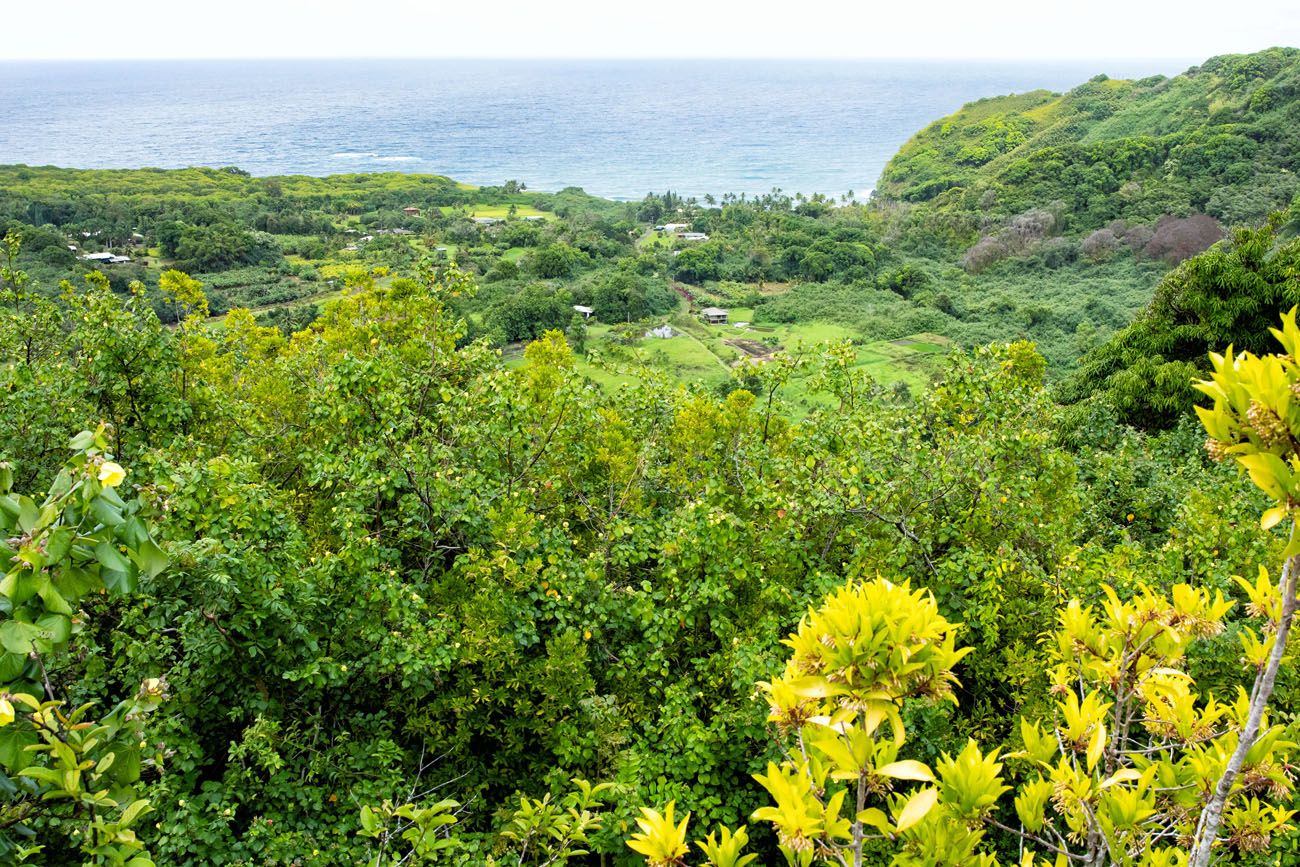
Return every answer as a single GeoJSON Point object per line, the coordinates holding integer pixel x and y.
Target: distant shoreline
{"type": "Point", "coordinates": [617, 129]}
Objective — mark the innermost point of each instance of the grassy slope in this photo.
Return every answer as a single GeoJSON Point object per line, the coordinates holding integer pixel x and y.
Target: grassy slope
{"type": "Point", "coordinates": [705, 354]}
{"type": "Point", "coordinates": [47, 181]}
{"type": "Point", "coordinates": [149, 190]}
{"type": "Point", "coordinates": [1027, 146]}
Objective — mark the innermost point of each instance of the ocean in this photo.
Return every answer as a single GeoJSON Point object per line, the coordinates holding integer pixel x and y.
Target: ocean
{"type": "Point", "coordinates": [618, 129]}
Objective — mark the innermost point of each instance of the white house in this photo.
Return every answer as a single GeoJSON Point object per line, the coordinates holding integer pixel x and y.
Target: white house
{"type": "Point", "coordinates": [714, 315]}
{"type": "Point", "coordinates": [106, 258]}
{"type": "Point", "coordinates": [674, 227]}
{"type": "Point", "coordinates": [692, 236]}
{"type": "Point", "coordinates": [585, 311]}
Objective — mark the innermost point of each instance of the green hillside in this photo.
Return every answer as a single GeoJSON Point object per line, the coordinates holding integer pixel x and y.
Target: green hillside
{"type": "Point", "coordinates": [1219, 139]}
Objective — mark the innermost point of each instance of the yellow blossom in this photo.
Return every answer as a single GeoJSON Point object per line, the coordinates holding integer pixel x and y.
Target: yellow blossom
{"type": "Point", "coordinates": [111, 474]}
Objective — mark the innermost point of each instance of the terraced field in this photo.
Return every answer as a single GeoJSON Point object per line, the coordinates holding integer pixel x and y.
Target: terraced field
{"type": "Point", "coordinates": [713, 354]}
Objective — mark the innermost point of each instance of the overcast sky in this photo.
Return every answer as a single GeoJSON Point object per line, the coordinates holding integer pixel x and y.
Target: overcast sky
{"type": "Point", "coordinates": [957, 29]}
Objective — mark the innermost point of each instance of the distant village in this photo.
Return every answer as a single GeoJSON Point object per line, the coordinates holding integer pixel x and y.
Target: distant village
{"type": "Point", "coordinates": [681, 231]}
{"type": "Point", "coordinates": [135, 240]}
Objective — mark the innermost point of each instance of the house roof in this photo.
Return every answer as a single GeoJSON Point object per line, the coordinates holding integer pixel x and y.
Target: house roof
{"type": "Point", "coordinates": [582, 309]}
{"type": "Point", "coordinates": [713, 311]}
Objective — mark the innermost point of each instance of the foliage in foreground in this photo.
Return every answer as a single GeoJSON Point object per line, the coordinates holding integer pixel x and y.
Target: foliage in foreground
{"type": "Point", "coordinates": [1134, 766]}
{"type": "Point", "coordinates": [71, 775]}
{"type": "Point", "coordinates": [407, 577]}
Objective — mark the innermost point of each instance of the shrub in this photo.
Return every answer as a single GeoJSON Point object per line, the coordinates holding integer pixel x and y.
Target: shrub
{"type": "Point", "coordinates": [1100, 245]}
{"type": "Point", "coordinates": [987, 251]}
{"type": "Point", "coordinates": [1179, 238]}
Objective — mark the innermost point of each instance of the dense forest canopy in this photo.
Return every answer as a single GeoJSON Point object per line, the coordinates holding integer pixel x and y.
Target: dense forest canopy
{"type": "Point", "coordinates": [383, 519]}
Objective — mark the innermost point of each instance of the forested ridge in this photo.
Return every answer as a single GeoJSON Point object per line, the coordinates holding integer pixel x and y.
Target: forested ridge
{"type": "Point", "coordinates": [413, 562]}
{"type": "Point", "coordinates": [1218, 139]}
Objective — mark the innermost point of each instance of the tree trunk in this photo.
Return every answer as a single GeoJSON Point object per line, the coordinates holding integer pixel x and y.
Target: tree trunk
{"type": "Point", "coordinates": [1207, 828]}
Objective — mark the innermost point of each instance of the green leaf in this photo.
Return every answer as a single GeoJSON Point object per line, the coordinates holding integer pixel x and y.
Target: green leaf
{"type": "Point", "coordinates": [133, 532]}
{"type": "Point", "coordinates": [1268, 473]}
{"type": "Point", "coordinates": [75, 582]}
{"type": "Point", "coordinates": [917, 807]}
{"type": "Point", "coordinates": [120, 583]}
{"type": "Point", "coordinates": [907, 770]}
{"type": "Point", "coordinates": [28, 515]}
{"type": "Point", "coordinates": [118, 573]}
{"type": "Point", "coordinates": [14, 740]}
{"type": "Point", "coordinates": [133, 812]}
{"type": "Point", "coordinates": [1096, 746]}
{"type": "Point", "coordinates": [58, 543]}
{"type": "Point", "coordinates": [54, 601]}
{"type": "Point", "coordinates": [18, 637]}
{"type": "Point", "coordinates": [812, 687]}
{"type": "Point", "coordinates": [1272, 517]}
{"type": "Point", "coordinates": [11, 666]}
{"type": "Point", "coordinates": [47, 775]}
{"type": "Point", "coordinates": [82, 441]}
{"type": "Point", "coordinates": [126, 770]}
{"type": "Point", "coordinates": [150, 558]}
{"type": "Point", "coordinates": [58, 627]}
{"type": "Point", "coordinates": [110, 558]}
{"type": "Point", "coordinates": [876, 819]}
{"type": "Point", "coordinates": [1127, 775]}
{"type": "Point", "coordinates": [1293, 544]}
{"type": "Point", "coordinates": [106, 513]}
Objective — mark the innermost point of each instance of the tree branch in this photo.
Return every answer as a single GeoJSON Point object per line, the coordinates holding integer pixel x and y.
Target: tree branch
{"type": "Point", "coordinates": [1207, 828]}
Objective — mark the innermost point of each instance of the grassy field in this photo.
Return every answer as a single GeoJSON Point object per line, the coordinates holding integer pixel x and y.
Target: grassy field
{"type": "Point", "coordinates": [709, 355]}
{"type": "Point", "coordinates": [653, 240]}
{"type": "Point", "coordinates": [502, 211]}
